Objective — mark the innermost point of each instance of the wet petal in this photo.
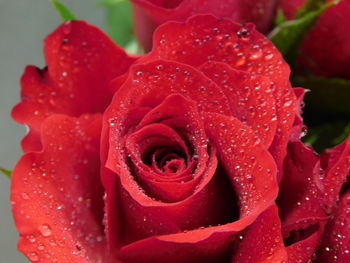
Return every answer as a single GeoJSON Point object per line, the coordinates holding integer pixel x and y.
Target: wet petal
{"type": "Point", "coordinates": [298, 197]}
{"type": "Point", "coordinates": [334, 169]}
{"type": "Point", "coordinates": [250, 97]}
{"type": "Point", "coordinates": [250, 168]}
{"type": "Point", "coordinates": [336, 240]}
{"type": "Point", "coordinates": [262, 241]}
{"type": "Point", "coordinates": [211, 243]}
{"type": "Point", "coordinates": [205, 38]}
{"type": "Point", "coordinates": [152, 216]}
{"type": "Point", "coordinates": [81, 61]}
{"type": "Point", "coordinates": [299, 129]}
{"type": "Point", "coordinates": [56, 195]}
{"type": "Point", "coordinates": [301, 210]}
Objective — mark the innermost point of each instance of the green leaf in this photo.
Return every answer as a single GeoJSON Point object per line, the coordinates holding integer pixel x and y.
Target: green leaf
{"type": "Point", "coordinates": [109, 2]}
{"type": "Point", "coordinates": [63, 11]}
{"type": "Point", "coordinates": [119, 20]}
{"type": "Point", "coordinates": [280, 17]}
{"type": "Point", "coordinates": [328, 95]}
{"type": "Point", "coordinates": [5, 172]}
{"type": "Point", "coordinates": [343, 136]}
{"type": "Point", "coordinates": [132, 47]}
{"type": "Point", "coordinates": [288, 36]}
{"type": "Point", "coordinates": [327, 135]}
{"type": "Point", "coordinates": [310, 5]}
{"type": "Point", "coordinates": [327, 111]}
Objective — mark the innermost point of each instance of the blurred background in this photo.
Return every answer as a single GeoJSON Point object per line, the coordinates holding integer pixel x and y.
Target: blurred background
{"type": "Point", "coordinates": [23, 26]}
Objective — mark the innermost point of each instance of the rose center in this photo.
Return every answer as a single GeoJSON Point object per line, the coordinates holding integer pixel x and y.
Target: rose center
{"type": "Point", "coordinates": [159, 153]}
{"type": "Point", "coordinates": [164, 160]}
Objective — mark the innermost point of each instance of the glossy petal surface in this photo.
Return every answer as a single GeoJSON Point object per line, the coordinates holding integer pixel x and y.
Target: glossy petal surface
{"type": "Point", "coordinates": [334, 168]}
{"type": "Point", "coordinates": [250, 97]}
{"type": "Point", "coordinates": [81, 60]}
{"type": "Point", "coordinates": [301, 209]}
{"type": "Point", "coordinates": [56, 195]}
{"type": "Point", "coordinates": [212, 243]}
{"type": "Point", "coordinates": [205, 38]}
{"type": "Point", "coordinates": [336, 240]}
{"type": "Point", "coordinates": [262, 241]}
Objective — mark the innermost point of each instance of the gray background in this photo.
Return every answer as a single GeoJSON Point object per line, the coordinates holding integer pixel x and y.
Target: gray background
{"type": "Point", "coordinates": [23, 25]}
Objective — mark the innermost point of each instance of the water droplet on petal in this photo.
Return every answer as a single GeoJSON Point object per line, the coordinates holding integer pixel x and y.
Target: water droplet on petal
{"type": "Point", "coordinates": [33, 256]}
{"type": "Point", "coordinates": [45, 230]}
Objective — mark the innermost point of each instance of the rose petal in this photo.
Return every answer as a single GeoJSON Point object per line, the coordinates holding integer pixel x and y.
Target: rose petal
{"type": "Point", "coordinates": [180, 248]}
{"type": "Point", "coordinates": [326, 48]}
{"type": "Point", "coordinates": [300, 207]}
{"type": "Point", "coordinates": [299, 129]}
{"type": "Point", "coordinates": [169, 123]}
{"type": "Point", "coordinates": [298, 197]}
{"type": "Point", "coordinates": [250, 168]}
{"type": "Point", "coordinates": [135, 205]}
{"type": "Point", "coordinates": [209, 244]}
{"type": "Point", "coordinates": [173, 191]}
{"type": "Point", "coordinates": [303, 250]}
{"type": "Point", "coordinates": [149, 83]}
{"type": "Point", "coordinates": [336, 240]}
{"type": "Point", "coordinates": [147, 86]}
{"type": "Point", "coordinates": [262, 241]}
{"type": "Point", "coordinates": [204, 38]}
{"type": "Point", "coordinates": [56, 195]}
{"type": "Point", "coordinates": [81, 61]}
{"type": "Point", "coordinates": [290, 7]}
{"type": "Point", "coordinates": [250, 97]}
{"type": "Point", "coordinates": [334, 168]}
{"type": "Point", "coordinates": [148, 14]}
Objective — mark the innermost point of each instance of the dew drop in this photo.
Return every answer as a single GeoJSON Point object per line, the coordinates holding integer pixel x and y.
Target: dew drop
{"type": "Point", "coordinates": [243, 33]}
{"type": "Point", "coordinates": [269, 56]}
{"type": "Point", "coordinates": [33, 256]}
{"type": "Point", "coordinates": [31, 239]}
{"type": "Point", "coordinates": [45, 230]}
{"type": "Point", "coordinates": [25, 196]}
{"type": "Point", "coordinates": [303, 131]}
{"type": "Point", "coordinates": [41, 247]}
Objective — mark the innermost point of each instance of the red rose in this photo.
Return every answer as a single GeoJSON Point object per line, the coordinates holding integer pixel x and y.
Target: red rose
{"type": "Point", "coordinates": [326, 48]}
{"type": "Point", "coordinates": [149, 14]}
{"type": "Point", "coordinates": [189, 150]}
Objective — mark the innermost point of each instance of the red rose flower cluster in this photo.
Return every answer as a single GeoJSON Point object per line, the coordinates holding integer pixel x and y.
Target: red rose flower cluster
{"type": "Point", "coordinates": [190, 153]}
{"type": "Point", "coordinates": [148, 14]}
{"type": "Point", "coordinates": [325, 50]}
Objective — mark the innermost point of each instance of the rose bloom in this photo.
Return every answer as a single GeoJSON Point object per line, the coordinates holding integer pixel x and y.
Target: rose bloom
{"type": "Point", "coordinates": [149, 14]}
{"type": "Point", "coordinates": [190, 153]}
{"type": "Point", "coordinates": [325, 50]}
